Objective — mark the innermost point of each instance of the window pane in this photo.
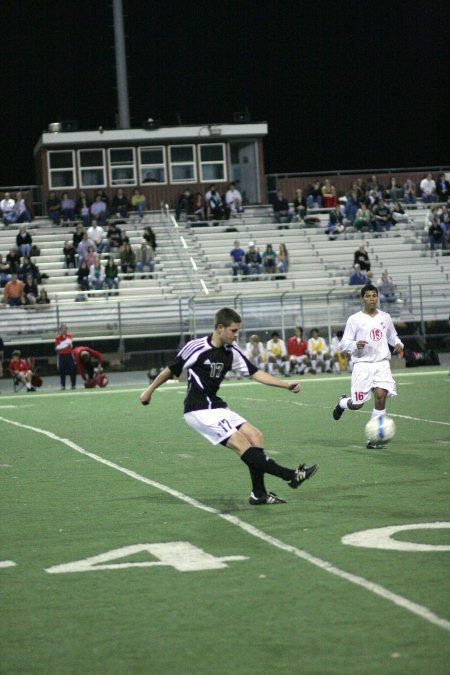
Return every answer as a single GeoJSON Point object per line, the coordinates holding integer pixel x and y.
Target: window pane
{"type": "Point", "coordinates": [92, 177]}
{"type": "Point", "coordinates": [61, 179]}
{"type": "Point", "coordinates": [60, 160]}
{"type": "Point", "coordinates": [122, 176]}
{"type": "Point", "coordinates": [211, 153]}
{"type": "Point", "coordinates": [121, 156]}
{"type": "Point", "coordinates": [91, 158]}
{"type": "Point", "coordinates": [213, 172]}
{"type": "Point", "coordinates": [153, 175]}
{"type": "Point", "coordinates": [183, 172]}
{"type": "Point", "coordinates": [152, 156]}
{"type": "Point", "coordinates": [182, 153]}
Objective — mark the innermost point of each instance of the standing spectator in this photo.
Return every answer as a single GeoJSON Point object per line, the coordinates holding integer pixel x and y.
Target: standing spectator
{"type": "Point", "coordinates": [97, 234]}
{"type": "Point", "coordinates": [127, 260]}
{"type": "Point", "coordinates": [69, 255]}
{"type": "Point", "coordinates": [233, 200]}
{"type": "Point", "coordinates": [297, 348]}
{"type": "Point", "coordinates": [363, 218]}
{"type": "Point", "coordinates": [237, 255]}
{"type": "Point", "coordinates": [314, 197]}
{"type": "Point", "coordinates": [64, 357]}
{"type": "Point", "coordinates": [185, 204]}
{"type": "Point", "coordinates": [442, 189]}
{"type": "Point", "coordinates": [277, 354]}
{"type": "Point", "coordinates": [300, 206]}
{"type": "Point", "coordinates": [67, 208]}
{"type": "Point", "coordinates": [394, 192]}
{"type": "Point", "coordinates": [112, 274]}
{"type": "Point", "coordinates": [281, 208]}
{"type": "Point", "coordinates": [20, 370]}
{"type": "Point", "coordinates": [24, 241]}
{"type": "Point", "coordinates": [329, 196]}
{"type": "Point", "coordinates": [30, 290]}
{"type": "Point", "coordinates": [83, 276]}
{"type": "Point", "coordinates": [357, 277]}
{"type": "Point", "coordinates": [283, 259]}
{"type": "Point", "coordinates": [253, 261]}
{"type": "Point", "coordinates": [54, 208]}
{"type": "Point", "coordinates": [5, 275]}
{"type": "Point", "coordinates": [7, 205]}
{"type": "Point", "coordinates": [99, 210]}
{"type": "Point", "coordinates": [150, 237]}
{"type": "Point", "coordinates": [269, 259]}
{"type": "Point", "coordinates": [13, 292]}
{"type": "Point", "coordinates": [318, 352]}
{"type": "Point", "coordinates": [428, 189]}
{"type": "Point", "coordinates": [120, 205]}
{"type": "Point", "coordinates": [361, 257]}
{"type": "Point", "coordinates": [138, 202]}
{"type": "Point", "coordinates": [21, 209]}
{"type": "Point", "coordinates": [382, 217]}
{"type": "Point", "coordinates": [409, 192]}
{"type": "Point", "coordinates": [145, 258]}
{"type": "Point", "coordinates": [254, 351]}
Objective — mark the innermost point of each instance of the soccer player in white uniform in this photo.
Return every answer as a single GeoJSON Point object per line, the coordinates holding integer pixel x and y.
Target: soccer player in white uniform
{"type": "Point", "coordinates": [367, 337]}
{"type": "Point", "coordinates": [207, 360]}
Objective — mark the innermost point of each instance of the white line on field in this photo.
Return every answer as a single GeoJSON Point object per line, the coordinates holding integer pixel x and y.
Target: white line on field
{"type": "Point", "coordinates": [419, 610]}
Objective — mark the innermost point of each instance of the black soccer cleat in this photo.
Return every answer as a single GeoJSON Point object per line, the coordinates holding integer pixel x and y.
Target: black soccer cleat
{"type": "Point", "coordinates": [301, 474]}
{"type": "Point", "coordinates": [268, 498]}
{"type": "Point", "coordinates": [374, 445]}
{"type": "Point", "coordinates": [337, 410]}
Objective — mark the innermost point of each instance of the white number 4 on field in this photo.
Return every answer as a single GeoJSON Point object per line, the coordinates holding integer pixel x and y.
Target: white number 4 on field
{"type": "Point", "coordinates": [181, 555]}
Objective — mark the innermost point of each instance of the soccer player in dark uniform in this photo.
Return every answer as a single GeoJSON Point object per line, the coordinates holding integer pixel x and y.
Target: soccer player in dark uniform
{"type": "Point", "coordinates": [207, 360]}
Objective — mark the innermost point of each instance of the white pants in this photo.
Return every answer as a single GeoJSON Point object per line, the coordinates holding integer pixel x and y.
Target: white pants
{"type": "Point", "coordinates": [366, 376]}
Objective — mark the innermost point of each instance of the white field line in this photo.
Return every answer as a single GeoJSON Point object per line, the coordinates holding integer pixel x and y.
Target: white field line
{"type": "Point", "coordinates": [400, 601]}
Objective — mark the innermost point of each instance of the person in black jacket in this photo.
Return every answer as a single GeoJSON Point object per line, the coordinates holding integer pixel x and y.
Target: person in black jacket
{"type": "Point", "coordinates": [361, 258]}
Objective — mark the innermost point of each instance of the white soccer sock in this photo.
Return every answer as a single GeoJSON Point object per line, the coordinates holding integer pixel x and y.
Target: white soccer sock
{"type": "Point", "coordinates": [270, 368]}
{"type": "Point", "coordinates": [343, 403]}
{"type": "Point", "coordinates": [377, 413]}
{"type": "Point", "coordinates": [314, 365]}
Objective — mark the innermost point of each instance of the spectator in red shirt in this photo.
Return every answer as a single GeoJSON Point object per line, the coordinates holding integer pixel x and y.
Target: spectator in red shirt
{"type": "Point", "coordinates": [297, 348]}
{"type": "Point", "coordinates": [20, 370]}
{"type": "Point", "coordinates": [83, 358]}
{"type": "Point", "coordinates": [64, 359]}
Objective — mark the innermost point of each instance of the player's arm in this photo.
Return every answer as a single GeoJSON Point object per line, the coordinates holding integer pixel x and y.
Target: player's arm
{"type": "Point", "coordinates": [265, 378]}
{"type": "Point", "coordinates": [393, 338]}
{"type": "Point", "coordinates": [349, 342]}
{"type": "Point", "coordinates": [163, 376]}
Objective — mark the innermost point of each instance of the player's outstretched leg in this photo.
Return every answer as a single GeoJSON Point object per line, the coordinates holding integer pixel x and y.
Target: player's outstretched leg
{"type": "Point", "coordinates": [338, 409]}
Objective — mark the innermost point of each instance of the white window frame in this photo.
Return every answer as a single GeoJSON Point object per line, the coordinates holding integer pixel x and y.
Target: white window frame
{"type": "Point", "coordinates": [112, 166]}
{"type": "Point", "coordinates": [142, 165]}
{"type": "Point", "coordinates": [52, 171]}
{"type": "Point", "coordinates": [99, 166]}
{"type": "Point", "coordinates": [194, 164]}
{"type": "Point", "coordinates": [223, 162]}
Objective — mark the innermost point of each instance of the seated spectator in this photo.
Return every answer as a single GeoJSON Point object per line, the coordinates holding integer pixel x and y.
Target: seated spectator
{"type": "Point", "coordinates": [436, 231]}
{"type": "Point", "coordinates": [85, 213]}
{"type": "Point", "coordinates": [300, 206]}
{"type": "Point", "coordinates": [91, 256]}
{"type": "Point", "coordinates": [386, 288]}
{"type": "Point", "coordinates": [97, 234]}
{"type": "Point", "coordinates": [99, 210]}
{"type": "Point", "coordinates": [254, 351]}
{"type": "Point", "coordinates": [23, 212]}
{"type": "Point", "coordinates": [77, 235]}
{"type": "Point", "coordinates": [233, 200]}
{"type": "Point", "coordinates": [341, 360]}
{"type": "Point", "coordinates": [84, 246]}
{"type": "Point", "coordinates": [103, 196]}
{"type": "Point", "coordinates": [43, 298]}
{"type": "Point", "coordinates": [7, 205]}
{"type": "Point", "coordinates": [20, 370]}
{"type": "Point", "coordinates": [277, 354]}
{"type": "Point", "coordinates": [67, 208]}
{"type": "Point", "coordinates": [5, 275]}
{"type": "Point", "coordinates": [361, 257]}
{"type": "Point", "coordinates": [428, 189]}
{"type": "Point", "coordinates": [363, 218]}
{"type": "Point", "coordinates": [394, 192]}
{"type": "Point", "coordinates": [96, 275]}
{"type": "Point", "coordinates": [13, 260]}
{"type": "Point", "coordinates": [351, 207]}
{"type": "Point", "coordinates": [124, 238]}
{"type": "Point", "coordinates": [145, 259]}
{"type": "Point", "coordinates": [382, 217]}
{"type": "Point", "coordinates": [329, 197]}
{"type": "Point", "coordinates": [120, 205]}
{"type": "Point", "coordinates": [54, 208]}
{"type": "Point", "coordinates": [113, 235]}
{"type": "Point", "coordinates": [138, 202]}
{"type": "Point", "coordinates": [111, 274]}
{"type": "Point", "coordinates": [398, 213]}
{"type": "Point", "coordinates": [149, 237]}
{"type": "Point", "coordinates": [30, 290]}
{"type": "Point", "coordinates": [335, 224]}
{"type": "Point", "coordinates": [442, 189]}
{"type": "Point", "coordinates": [281, 208]}
{"type": "Point", "coordinates": [237, 255]}
{"type": "Point", "coordinates": [199, 206]}
{"type": "Point", "coordinates": [29, 267]}
{"type": "Point", "coordinates": [214, 204]}
{"type": "Point", "coordinates": [69, 255]}
{"type": "Point", "coordinates": [357, 277]}
{"type": "Point", "coordinates": [185, 204]}
{"type": "Point", "coordinates": [318, 352]}
{"type": "Point", "coordinates": [82, 200]}
{"type": "Point", "coordinates": [297, 348]}
{"type": "Point", "coordinates": [127, 260]}
{"type": "Point", "coordinates": [13, 292]}
{"type": "Point", "coordinates": [24, 241]}
{"type": "Point", "coordinates": [83, 276]}
{"type": "Point", "coordinates": [253, 261]}
{"type": "Point", "coordinates": [409, 192]}
{"type": "Point", "coordinates": [375, 187]}
{"type": "Point", "coordinates": [314, 196]}
{"type": "Point", "coordinates": [283, 259]}
{"type": "Point", "coordinates": [269, 259]}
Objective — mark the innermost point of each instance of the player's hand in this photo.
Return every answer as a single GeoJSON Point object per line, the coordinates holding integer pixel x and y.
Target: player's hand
{"type": "Point", "coordinates": [145, 398]}
{"type": "Point", "coordinates": [398, 349]}
{"type": "Point", "coordinates": [294, 387]}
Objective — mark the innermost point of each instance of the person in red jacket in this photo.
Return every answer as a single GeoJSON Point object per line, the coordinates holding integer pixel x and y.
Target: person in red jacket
{"type": "Point", "coordinates": [297, 348]}
{"type": "Point", "coordinates": [84, 360]}
{"type": "Point", "coordinates": [64, 359]}
{"type": "Point", "coordinates": [21, 370]}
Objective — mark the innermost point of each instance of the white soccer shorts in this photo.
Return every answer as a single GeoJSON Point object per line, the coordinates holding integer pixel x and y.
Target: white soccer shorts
{"type": "Point", "coordinates": [215, 424]}
{"type": "Point", "coordinates": [366, 376]}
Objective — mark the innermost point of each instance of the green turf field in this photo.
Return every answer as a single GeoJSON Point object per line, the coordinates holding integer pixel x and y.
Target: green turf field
{"type": "Point", "coordinates": [231, 588]}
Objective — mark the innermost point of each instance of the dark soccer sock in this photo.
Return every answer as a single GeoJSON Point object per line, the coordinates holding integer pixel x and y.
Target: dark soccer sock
{"type": "Point", "coordinates": [257, 478]}
{"type": "Point", "coordinates": [256, 459]}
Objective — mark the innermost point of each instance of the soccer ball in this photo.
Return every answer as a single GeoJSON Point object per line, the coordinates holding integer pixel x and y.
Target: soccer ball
{"type": "Point", "coordinates": [380, 429]}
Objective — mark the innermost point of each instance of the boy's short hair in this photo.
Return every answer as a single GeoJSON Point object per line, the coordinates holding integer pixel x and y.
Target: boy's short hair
{"type": "Point", "coordinates": [368, 287]}
{"type": "Point", "coordinates": [225, 317]}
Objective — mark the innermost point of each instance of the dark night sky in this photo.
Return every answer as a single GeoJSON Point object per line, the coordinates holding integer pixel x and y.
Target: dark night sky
{"type": "Point", "coordinates": [342, 83]}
